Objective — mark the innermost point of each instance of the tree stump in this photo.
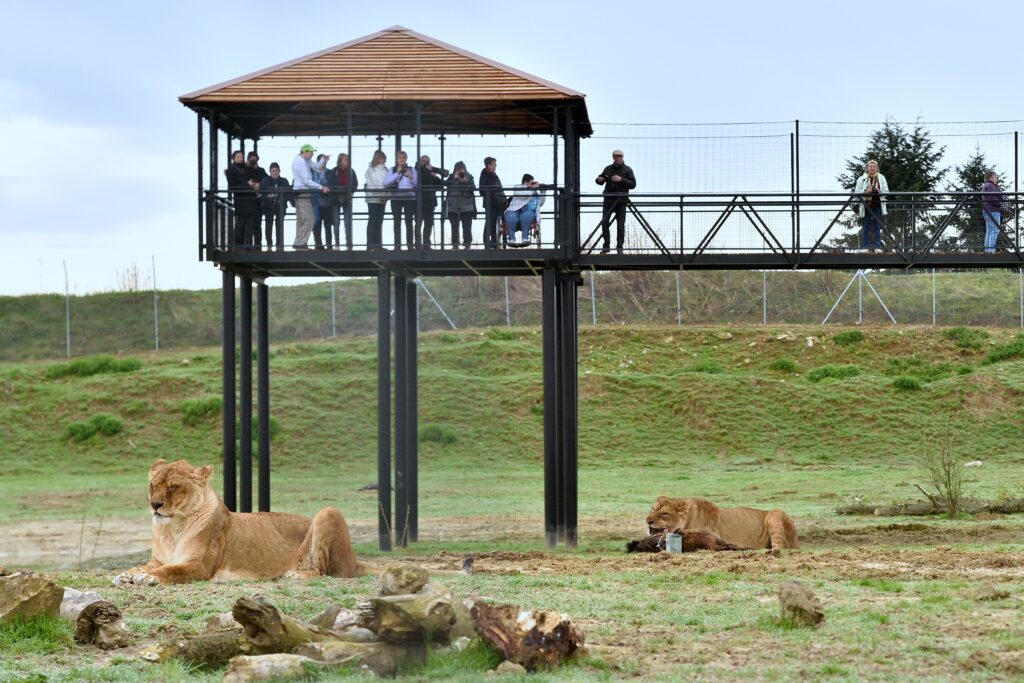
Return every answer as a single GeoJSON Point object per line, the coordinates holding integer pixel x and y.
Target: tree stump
{"type": "Point", "coordinates": [24, 595]}
{"type": "Point", "coordinates": [383, 659]}
{"type": "Point", "coordinates": [533, 639]}
{"type": "Point", "coordinates": [272, 631]}
{"type": "Point", "coordinates": [272, 667]}
{"type": "Point", "coordinates": [209, 650]}
{"type": "Point", "coordinates": [410, 618]}
{"type": "Point", "coordinates": [799, 604]}
{"type": "Point", "coordinates": [97, 621]}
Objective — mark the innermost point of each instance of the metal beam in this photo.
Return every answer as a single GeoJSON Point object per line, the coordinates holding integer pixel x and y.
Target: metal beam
{"type": "Point", "coordinates": [401, 413]}
{"type": "Point", "coordinates": [412, 397]}
{"type": "Point", "coordinates": [263, 393]}
{"type": "Point", "coordinates": [384, 410]}
{"type": "Point", "coordinates": [568, 332]}
{"type": "Point", "coordinates": [245, 395]}
{"type": "Point", "coordinates": [228, 381]}
{"type": "Point", "coordinates": [549, 320]}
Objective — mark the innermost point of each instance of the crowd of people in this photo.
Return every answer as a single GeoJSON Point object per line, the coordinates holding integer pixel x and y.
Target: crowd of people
{"type": "Point", "coordinates": [323, 201]}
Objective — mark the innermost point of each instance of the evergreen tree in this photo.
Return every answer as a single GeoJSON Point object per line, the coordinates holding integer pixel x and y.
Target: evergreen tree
{"type": "Point", "coordinates": [968, 177]}
{"type": "Point", "coordinates": [910, 161]}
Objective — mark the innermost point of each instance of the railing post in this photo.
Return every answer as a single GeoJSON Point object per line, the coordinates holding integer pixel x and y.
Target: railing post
{"type": "Point", "coordinates": [796, 174]}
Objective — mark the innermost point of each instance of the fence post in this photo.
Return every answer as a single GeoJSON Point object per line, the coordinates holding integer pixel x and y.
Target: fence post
{"type": "Point", "coordinates": [334, 312]}
{"type": "Point", "coordinates": [508, 317]}
{"type": "Point", "coordinates": [679, 302]}
{"type": "Point", "coordinates": [67, 309]}
{"type": "Point", "coordinates": [764, 297]}
{"type": "Point", "coordinates": [156, 310]}
{"type": "Point", "coordinates": [593, 300]}
{"type": "Point", "coordinates": [933, 297]}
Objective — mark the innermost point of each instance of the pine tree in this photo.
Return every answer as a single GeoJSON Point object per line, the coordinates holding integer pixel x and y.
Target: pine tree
{"type": "Point", "coordinates": [968, 177]}
{"type": "Point", "coordinates": [910, 161]}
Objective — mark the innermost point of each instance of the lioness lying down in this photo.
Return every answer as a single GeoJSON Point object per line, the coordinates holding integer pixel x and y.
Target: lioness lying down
{"type": "Point", "coordinates": [742, 527]}
{"type": "Point", "coordinates": [196, 538]}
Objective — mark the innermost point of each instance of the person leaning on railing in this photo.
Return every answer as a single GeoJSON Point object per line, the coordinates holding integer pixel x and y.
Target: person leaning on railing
{"type": "Point", "coordinates": [273, 196]}
{"type": "Point", "coordinates": [242, 183]}
{"type": "Point", "coordinates": [401, 180]}
{"type": "Point", "coordinates": [494, 201]}
{"type": "Point", "coordinates": [324, 205]}
{"type": "Point", "coordinates": [871, 189]}
{"type": "Point", "coordinates": [304, 186]}
{"type": "Point", "coordinates": [991, 209]}
{"type": "Point", "coordinates": [461, 204]}
{"type": "Point", "coordinates": [618, 180]}
{"type": "Point", "coordinates": [376, 199]}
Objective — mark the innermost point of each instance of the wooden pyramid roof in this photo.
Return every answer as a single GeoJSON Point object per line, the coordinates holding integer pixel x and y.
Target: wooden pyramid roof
{"type": "Point", "coordinates": [384, 77]}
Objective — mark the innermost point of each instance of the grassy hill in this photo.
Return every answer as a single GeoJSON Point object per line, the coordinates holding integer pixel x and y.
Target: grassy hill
{"type": "Point", "coordinates": [662, 410]}
{"type": "Point", "coordinates": [33, 327]}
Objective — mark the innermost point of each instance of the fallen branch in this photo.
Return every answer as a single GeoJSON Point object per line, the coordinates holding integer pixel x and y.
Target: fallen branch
{"type": "Point", "coordinates": [270, 631]}
{"type": "Point", "coordinates": [410, 618]}
{"type": "Point", "coordinates": [383, 659]}
{"type": "Point", "coordinates": [533, 639]}
{"type": "Point", "coordinates": [209, 650]}
{"type": "Point", "coordinates": [273, 667]}
{"type": "Point", "coordinates": [971, 506]}
{"type": "Point", "coordinates": [97, 621]}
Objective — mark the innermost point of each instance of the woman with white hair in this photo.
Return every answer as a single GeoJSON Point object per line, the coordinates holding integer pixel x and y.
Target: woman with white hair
{"type": "Point", "coordinates": [871, 189]}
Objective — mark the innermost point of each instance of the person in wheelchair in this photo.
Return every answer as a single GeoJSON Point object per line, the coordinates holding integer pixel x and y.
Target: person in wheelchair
{"type": "Point", "coordinates": [521, 212]}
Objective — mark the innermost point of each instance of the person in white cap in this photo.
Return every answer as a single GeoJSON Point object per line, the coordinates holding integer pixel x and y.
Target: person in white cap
{"type": "Point", "coordinates": [618, 180]}
{"type": "Point", "coordinates": [303, 183]}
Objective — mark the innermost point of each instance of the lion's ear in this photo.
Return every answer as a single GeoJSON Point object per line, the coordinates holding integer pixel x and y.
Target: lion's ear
{"type": "Point", "coordinates": [155, 466]}
{"type": "Point", "coordinates": [203, 473]}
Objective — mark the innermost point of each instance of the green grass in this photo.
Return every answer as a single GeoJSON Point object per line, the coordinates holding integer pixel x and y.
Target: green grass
{"type": "Point", "coordinates": [106, 425]}
{"type": "Point", "coordinates": [93, 365]}
{"type": "Point", "coordinates": [848, 338]}
{"type": "Point", "coordinates": [196, 410]}
{"type": "Point", "coordinates": [1011, 350]}
{"type": "Point", "coordinates": [906, 383]}
{"type": "Point", "coordinates": [966, 337]}
{"type": "Point", "coordinates": [833, 372]}
{"type": "Point", "coordinates": [783, 365]}
{"type": "Point", "coordinates": [40, 635]}
{"type": "Point", "coordinates": [440, 434]}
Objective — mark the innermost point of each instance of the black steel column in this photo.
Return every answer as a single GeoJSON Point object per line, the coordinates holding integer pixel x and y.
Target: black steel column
{"type": "Point", "coordinates": [263, 394]}
{"type": "Point", "coordinates": [792, 193]}
{"type": "Point", "coordinates": [444, 199]}
{"type": "Point", "coordinates": [796, 174]}
{"type": "Point", "coordinates": [245, 395]}
{"type": "Point", "coordinates": [227, 317]}
{"type": "Point", "coordinates": [213, 224]}
{"type": "Point", "coordinates": [401, 413]}
{"type": "Point", "coordinates": [418, 222]}
{"type": "Point", "coordinates": [199, 177]}
{"type": "Point", "coordinates": [569, 326]}
{"type": "Point", "coordinates": [549, 328]}
{"type": "Point", "coordinates": [384, 410]}
{"type": "Point", "coordinates": [412, 434]}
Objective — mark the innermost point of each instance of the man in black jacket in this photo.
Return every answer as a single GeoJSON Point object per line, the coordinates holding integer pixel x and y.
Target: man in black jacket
{"type": "Point", "coordinates": [274, 194]}
{"type": "Point", "coordinates": [342, 180]}
{"type": "Point", "coordinates": [243, 184]}
{"type": "Point", "coordinates": [618, 180]}
{"type": "Point", "coordinates": [494, 201]}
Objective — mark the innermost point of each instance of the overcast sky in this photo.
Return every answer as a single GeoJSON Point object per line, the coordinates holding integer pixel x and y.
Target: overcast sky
{"type": "Point", "coordinates": [99, 157]}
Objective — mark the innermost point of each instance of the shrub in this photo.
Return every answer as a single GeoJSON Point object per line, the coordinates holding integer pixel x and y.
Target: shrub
{"type": "Point", "coordinates": [196, 410]}
{"type": "Point", "coordinates": [93, 365]}
{"type": "Point", "coordinates": [498, 334]}
{"type": "Point", "coordinates": [913, 366]}
{"type": "Point", "coordinates": [709, 367]}
{"type": "Point", "coordinates": [946, 473]}
{"type": "Point", "coordinates": [848, 338]}
{"type": "Point", "coordinates": [442, 434]}
{"type": "Point", "coordinates": [907, 383]}
{"type": "Point", "coordinates": [107, 425]}
{"type": "Point", "coordinates": [833, 371]}
{"type": "Point", "coordinates": [966, 337]}
{"type": "Point", "coordinates": [1009, 351]}
{"type": "Point", "coordinates": [783, 365]}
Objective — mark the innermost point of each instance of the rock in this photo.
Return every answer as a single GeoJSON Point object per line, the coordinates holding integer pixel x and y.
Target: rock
{"type": "Point", "coordinates": [403, 580]}
{"type": "Point", "coordinates": [221, 622]}
{"type": "Point", "coordinates": [810, 342]}
{"type": "Point", "coordinates": [508, 667]}
{"type": "Point", "coordinates": [460, 644]}
{"type": "Point", "coordinates": [785, 337]}
{"type": "Point", "coordinates": [724, 336]}
{"type": "Point", "coordinates": [973, 463]}
{"type": "Point", "coordinates": [25, 595]}
{"type": "Point", "coordinates": [799, 604]}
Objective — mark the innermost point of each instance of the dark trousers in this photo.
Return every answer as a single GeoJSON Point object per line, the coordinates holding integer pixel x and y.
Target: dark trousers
{"type": "Point", "coordinates": [339, 213]}
{"type": "Point", "coordinates": [614, 206]}
{"type": "Point", "coordinates": [322, 223]}
{"type": "Point", "coordinates": [492, 215]}
{"type": "Point", "coordinates": [466, 219]}
{"type": "Point", "coordinates": [374, 225]}
{"type": "Point", "coordinates": [407, 207]}
{"type": "Point", "coordinates": [425, 223]}
{"type": "Point", "coordinates": [871, 228]}
{"type": "Point", "coordinates": [273, 222]}
{"type": "Point", "coordinates": [247, 227]}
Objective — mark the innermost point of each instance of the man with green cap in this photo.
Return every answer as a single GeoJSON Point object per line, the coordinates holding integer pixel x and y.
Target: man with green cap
{"type": "Point", "coordinates": [304, 186]}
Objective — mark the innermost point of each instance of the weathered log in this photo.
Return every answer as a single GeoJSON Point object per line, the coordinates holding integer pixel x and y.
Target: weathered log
{"type": "Point", "coordinates": [410, 618]}
{"type": "Point", "coordinates": [799, 604]}
{"type": "Point", "coordinates": [97, 621]}
{"type": "Point", "coordinates": [209, 650]}
{"type": "Point", "coordinates": [403, 580]}
{"type": "Point", "coordinates": [692, 542]}
{"type": "Point", "coordinates": [383, 659]}
{"type": "Point", "coordinates": [533, 639]}
{"type": "Point", "coordinates": [24, 595]}
{"type": "Point", "coordinates": [971, 506]}
{"type": "Point", "coordinates": [272, 631]}
{"type": "Point", "coordinates": [272, 667]}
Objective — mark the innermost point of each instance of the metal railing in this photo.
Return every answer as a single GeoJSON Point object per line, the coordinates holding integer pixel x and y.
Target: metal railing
{"type": "Point", "coordinates": [910, 225]}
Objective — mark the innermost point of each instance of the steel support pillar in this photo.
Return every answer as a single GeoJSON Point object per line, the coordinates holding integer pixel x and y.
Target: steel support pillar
{"type": "Point", "coordinates": [227, 318]}
{"type": "Point", "coordinates": [549, 327]}
{"type": "Point", "coordinates": [401, 412]}
{"type": "Point", "coordinates": [263, 394]}
{"type": "Point", "coordinates": [245, 395]}
{"type": "Point", "coordinates": [412, 402]}
{"type": "Point", "coordinates": [568, 325]}
{"type": "Point", "coordinates": [384, 410]}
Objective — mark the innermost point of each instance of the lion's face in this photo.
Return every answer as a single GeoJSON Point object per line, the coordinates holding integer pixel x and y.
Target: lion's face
{"type": "Point", "coordinates": [667, 514]}
{"type": "Point", "coordinates": [176, 489]}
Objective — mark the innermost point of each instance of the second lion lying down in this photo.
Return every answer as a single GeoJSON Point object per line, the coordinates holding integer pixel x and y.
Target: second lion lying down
{"type": "Point", "coordinates": [745, 528]}
{"type": "Point", "coordinates": [196, 538]}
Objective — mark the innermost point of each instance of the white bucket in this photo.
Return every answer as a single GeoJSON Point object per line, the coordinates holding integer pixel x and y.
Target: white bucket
{"type": "Point", "coordinates": [673, 543]}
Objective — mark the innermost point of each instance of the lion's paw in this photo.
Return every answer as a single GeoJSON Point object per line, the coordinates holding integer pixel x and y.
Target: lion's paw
{"type": "Point", "coordinates": [300, 574]}
{"type": "Point", "coordinates": [135, 578]}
